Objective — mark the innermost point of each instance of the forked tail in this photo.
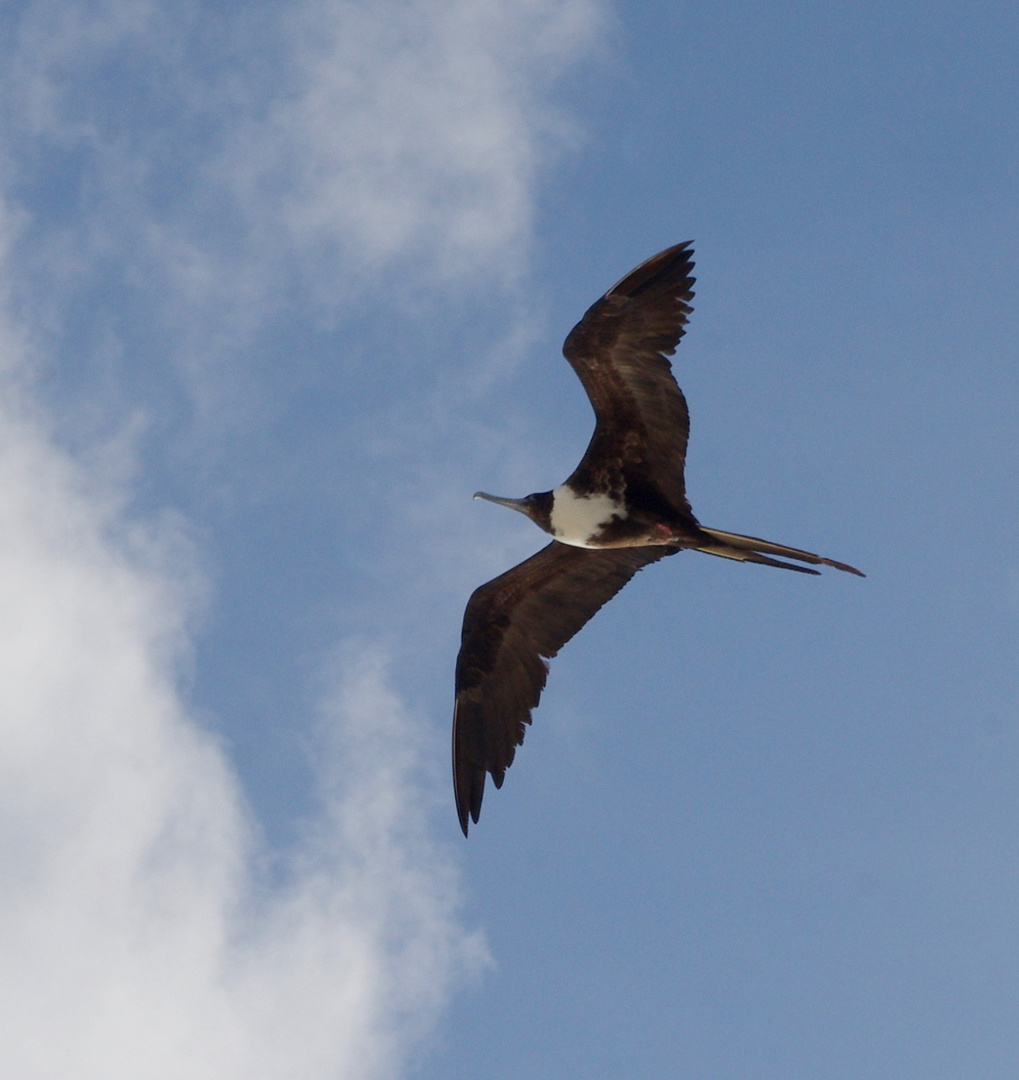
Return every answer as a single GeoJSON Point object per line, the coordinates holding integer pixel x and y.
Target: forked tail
{"type": "Point", "coordinates": [751, 549]}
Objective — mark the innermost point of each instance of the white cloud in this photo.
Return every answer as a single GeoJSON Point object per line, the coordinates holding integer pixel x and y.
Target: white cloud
{"type": "Point", "coordinates": [231, 155]}
{"type": "Point", "coordinates": [370, 867]}
{"type": "Point", "coordinates": [416, 128]}
{"type": "Point", "coordinates": [137, 940]}
{"type": "Point", "coordinates": [140, 936]}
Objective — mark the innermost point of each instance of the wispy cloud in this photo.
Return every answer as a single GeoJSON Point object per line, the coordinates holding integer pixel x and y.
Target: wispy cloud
{"type": "Point", "coordinates": [235, 156]}
{"type": "Point", "coordinates": [139, 936]}
{"type": "Point", "coordinates": [173, 178]}
{"type": "Point", "coordinates": [414, 130]}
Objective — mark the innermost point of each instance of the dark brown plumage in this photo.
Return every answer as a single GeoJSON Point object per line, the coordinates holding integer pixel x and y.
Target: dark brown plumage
{"type": "Point", "coordinates": [623, 508]}
{"type": "Point", "coordinates": [619, 350]}
{"type": "Point", "coordinates": [523, 615]}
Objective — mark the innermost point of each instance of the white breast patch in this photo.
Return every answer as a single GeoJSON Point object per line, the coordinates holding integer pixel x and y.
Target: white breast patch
{"type": "Point", "coordinates": [577, 519]}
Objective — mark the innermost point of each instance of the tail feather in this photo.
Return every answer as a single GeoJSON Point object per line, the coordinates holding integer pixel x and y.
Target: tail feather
{"type": "Point", "coordinates": [753, 549]}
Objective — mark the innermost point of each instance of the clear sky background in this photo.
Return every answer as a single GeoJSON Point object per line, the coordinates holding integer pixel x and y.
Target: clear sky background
{"type": "Point", "coordinates": [281, 285]}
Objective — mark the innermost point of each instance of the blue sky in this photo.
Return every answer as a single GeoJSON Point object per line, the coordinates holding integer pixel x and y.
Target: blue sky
{"type": "Point", "coordinates": [280, 287]}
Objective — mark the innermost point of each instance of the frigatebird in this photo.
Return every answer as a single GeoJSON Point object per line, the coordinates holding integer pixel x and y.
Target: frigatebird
{"type": "Point", "coordinates": [623, 508]}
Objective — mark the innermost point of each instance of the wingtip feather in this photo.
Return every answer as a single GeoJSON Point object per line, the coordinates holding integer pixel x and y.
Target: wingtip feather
{"type": "Point", "coordinates": [650, 272]}
{"type": "Point", "coordinates": [469, 787]}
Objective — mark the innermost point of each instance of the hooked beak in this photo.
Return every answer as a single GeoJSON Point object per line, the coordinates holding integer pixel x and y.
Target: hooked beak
{"type": "Point", "coordinates": [520, 505]}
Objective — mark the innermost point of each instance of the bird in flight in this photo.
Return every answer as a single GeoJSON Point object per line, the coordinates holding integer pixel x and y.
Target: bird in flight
{"type": "Point", "coordinates": [623, 508]}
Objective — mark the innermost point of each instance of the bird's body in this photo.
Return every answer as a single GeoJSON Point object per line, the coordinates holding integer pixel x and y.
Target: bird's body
{"type": "Point", "coordinates": [623, 508]}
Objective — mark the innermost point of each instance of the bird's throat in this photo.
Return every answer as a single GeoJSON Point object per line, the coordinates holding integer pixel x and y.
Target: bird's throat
{"type": "Point", "coordinates": [580, 520]}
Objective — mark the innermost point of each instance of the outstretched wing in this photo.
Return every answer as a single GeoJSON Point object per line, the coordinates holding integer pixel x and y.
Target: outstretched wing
{"type": "Point", "coordinates": [619, 351]}
{"type": "Point", "coordinates": [510, 625]}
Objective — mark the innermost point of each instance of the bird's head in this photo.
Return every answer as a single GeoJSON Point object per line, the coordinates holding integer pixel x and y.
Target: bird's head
{"type": "Point", "coordinates": [538, 507]}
